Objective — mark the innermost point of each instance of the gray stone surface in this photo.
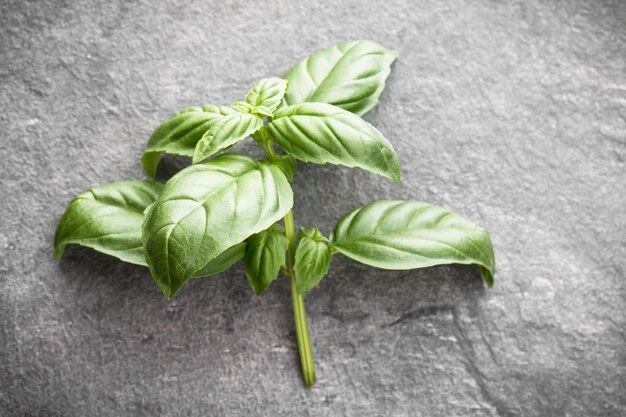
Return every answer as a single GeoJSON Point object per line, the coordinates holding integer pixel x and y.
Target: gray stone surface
{"type": "Point", "coordinates": [511, 113]}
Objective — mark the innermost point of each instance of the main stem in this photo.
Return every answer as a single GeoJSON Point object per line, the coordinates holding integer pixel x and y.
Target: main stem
{"type": "Point", "coordinates": [299, 312]}
{"type": "Point", "coordinates": [307, 365]}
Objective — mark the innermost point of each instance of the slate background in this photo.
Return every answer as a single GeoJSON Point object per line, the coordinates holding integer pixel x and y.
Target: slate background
{"type": "Point", "coordinates": [511, 113]}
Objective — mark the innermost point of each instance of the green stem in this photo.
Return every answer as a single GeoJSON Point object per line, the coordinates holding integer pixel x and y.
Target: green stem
{"type": "Point", "coordinates": [299, 312]}
{"type": "Point", "coordinates": [307, 366]}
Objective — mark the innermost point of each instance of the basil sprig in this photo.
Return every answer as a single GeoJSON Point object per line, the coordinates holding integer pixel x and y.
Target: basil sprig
{"type": "Point", "coordinates": [228, 207]}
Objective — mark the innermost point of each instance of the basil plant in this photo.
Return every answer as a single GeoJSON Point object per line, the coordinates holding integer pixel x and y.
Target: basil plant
{"type": "Point", "coordinates": [228, 207]}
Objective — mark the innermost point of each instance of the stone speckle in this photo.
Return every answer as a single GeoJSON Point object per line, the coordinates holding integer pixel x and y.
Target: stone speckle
{"type": "Point", "coordinates": [511, 113]}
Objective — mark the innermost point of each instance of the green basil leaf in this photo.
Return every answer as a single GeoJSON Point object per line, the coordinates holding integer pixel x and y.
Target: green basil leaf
{"type": "Point", "coordinates": [323, 133]}
{"type": "Point", "coordinates": [264, 257]}
{"type": "Point", "coordinates": [225, 133]}
{"type": "Point", "coordinates": [411, 234]}
{"type": "Point", "coordinates": [180, 134]}
{"type": "Point", "coordinates": [268, 93]}
{"type": "Point", "coordinates": [242, 107]}
{"type": "Point", "coordinates": [206, 209]}
{"type": "Point", "coordinates": [108, 219]}
{"type": "Point", "coordinates": [351, 75]}
{"type": "Point", "coordinates": [287, 164]}
{"type": "Point", "coordinates": [262, 111]}
{"type": "Point", "coordinates": [223, 261]}
{"type": "Point", "coordinates": [312, 259]}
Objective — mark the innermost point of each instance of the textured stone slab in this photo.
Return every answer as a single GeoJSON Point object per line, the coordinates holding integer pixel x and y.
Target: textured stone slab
{"type": "Point", "coordinates": [511, 114]}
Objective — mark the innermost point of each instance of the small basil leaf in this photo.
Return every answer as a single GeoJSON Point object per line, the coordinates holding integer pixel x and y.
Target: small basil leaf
{"type": "Point", "coordinates": [268, 93]}
{"type": "Point", "coordinates": [312, 259]}
{"type": "Point", "coordinates": [242, 107]}
{"type": "Point", "coordinates": [262, 111]}
{"type": "Point", "coordinates": [411, 234]}
{"type": "Point", "coordinates": [206, 209]}
{"type": "Point", "coordinates": [108, 219]}
{"type": "Point", "coordinates": [180, 134]}
{"type": "Point", "coordinates": [223, 261]}
{"type": "Point", "coordinates": [264, 257]}
{"type": "Point", "coordinates": [323, 133]}
{"type": "Point", "coordinates": [225, 133]}
{"type": "Point", "coordinates": [351, 75]}
{"type": "Point", "coordinates": [287, 164]}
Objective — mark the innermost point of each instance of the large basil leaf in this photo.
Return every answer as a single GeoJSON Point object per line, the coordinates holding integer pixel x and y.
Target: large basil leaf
{"type": "Point", "coordinates": [206, 209]}
{"type": "Point", "coordinates": [268, 93]}
{"type": "Point", "coordinates": [411, 234]}
{"type": "Point", "coordinates": [264, 257]}
{"type": "Point", "coordinates": [323, 133]}
{"type": "Point", "coordinates": [351, 75]}
{"type": "Point", "coordinates": [312, 259]}
{"type": "Point", "coordinates": [108, 219]}
{"type": "Point", "coordinates": [225, 133]}
{"type": "Point", "coordinates": [180, 134]}
{"type": "Point", "coordinates": [223, 261]}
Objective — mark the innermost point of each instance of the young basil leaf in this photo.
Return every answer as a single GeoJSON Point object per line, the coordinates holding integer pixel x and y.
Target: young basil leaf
{"type": "Point", "coordinates": [206, 209]}
{"type": "Point", "coordinates": [268, 93]}
{"type": "Point", "coordinates": [262, 111]}
{"type": "Point", "coordinates": [323, 133]}
{"type": "Point", "coordinates": [243, 107]}
{"type": "Point", "coordinates": [287, 164]}
{"type": "Point", "coordinates": [223, 261]}
{"type": "Point", "coordinates": [108, 219]}
{"type": "Point", "coordinates": [264, 257]}
{"type": "Point", "coordinates": [225, 133]}
{"type": "Point", "coordinates": [351, 75]}
{"type": "Point", "coordinates": [312, 259]}
{"type": "Point", "coordinates": [180, 134]}
{"type": "Point", "coordinates": [411, 234]}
